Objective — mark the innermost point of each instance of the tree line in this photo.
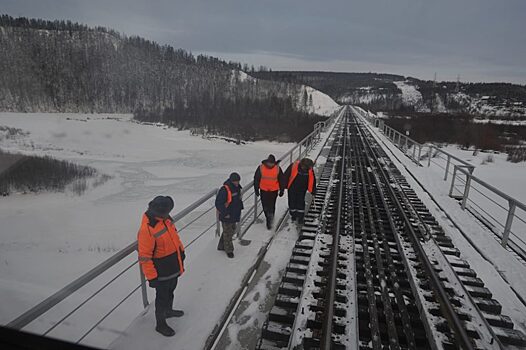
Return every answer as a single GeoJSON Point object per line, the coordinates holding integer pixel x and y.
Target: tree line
{"type": "Point", "coordinates": [61, 66]}
{"type": "Point", "coordinates": [459, 129]}
{"type": "Point", "coordinates": [377, 92]}
{"type": "Point", "coordinates": [245, 118]}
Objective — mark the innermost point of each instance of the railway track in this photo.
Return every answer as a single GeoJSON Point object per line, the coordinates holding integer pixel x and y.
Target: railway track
{"type": "Point", "coordinates": [372, 268]}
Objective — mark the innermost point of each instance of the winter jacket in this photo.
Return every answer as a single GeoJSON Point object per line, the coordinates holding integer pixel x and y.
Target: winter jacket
{"type": "Point", "coordinates": [161, 252]}
{"type": "Point", "coordinates": [301, 182]}
{"type": "Point", "coordinates": [229, 212]}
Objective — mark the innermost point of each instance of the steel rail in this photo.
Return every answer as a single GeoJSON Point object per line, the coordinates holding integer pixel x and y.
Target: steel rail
{"type": "Point", "coordinates": [448, 309]}
{"type": "Point", "coordinates": [326, 339]}
{"type": "Point", "coordinates": [372, 213]}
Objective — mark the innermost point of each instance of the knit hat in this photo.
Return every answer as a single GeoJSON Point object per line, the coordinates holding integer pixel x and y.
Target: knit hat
{"type": "Point", "coordinates": [306, 163]}
{"type": "Point", "coordinates": [161, 206]}
{"type": "Point", "coordinates": [234, 177]}
{"type": "Point", "coordinates": [270, 159]}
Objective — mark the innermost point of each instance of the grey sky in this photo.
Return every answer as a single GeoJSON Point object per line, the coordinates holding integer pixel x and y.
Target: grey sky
{"type": "Point", "coordinates": [478, 39]}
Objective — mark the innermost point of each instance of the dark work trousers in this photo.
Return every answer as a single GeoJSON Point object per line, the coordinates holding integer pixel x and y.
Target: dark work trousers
{"type": "Point", "coordinates": [268, 201]}
{"type": "Point", "coordinates": [164, 298]}
{"type": "Point", "coordinates": [297, 204]}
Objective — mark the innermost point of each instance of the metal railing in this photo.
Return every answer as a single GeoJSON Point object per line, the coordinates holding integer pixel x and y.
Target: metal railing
{"type": "Point", "coordinates": [407, 145]}
{"type": "Point", "coordinates": [504, 215]}
{"type": "Point", "coordinates": [250, 216]}
{"type": "Point", "coordinates": [500, 212]}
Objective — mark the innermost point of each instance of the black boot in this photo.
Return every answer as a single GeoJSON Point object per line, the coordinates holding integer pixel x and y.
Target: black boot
{"type": "Point", "coordinates": [300, 219]}
{"type": "Point", "coordinates": [163, 328]}
{"type": "Point", "coordinates": [269, 221]}
{"type": "Point", "coordinates": [174, 313]}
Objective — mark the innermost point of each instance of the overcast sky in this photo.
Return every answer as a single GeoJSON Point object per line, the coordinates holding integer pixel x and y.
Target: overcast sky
{"type": "Point", "coordinates": [482, 40]}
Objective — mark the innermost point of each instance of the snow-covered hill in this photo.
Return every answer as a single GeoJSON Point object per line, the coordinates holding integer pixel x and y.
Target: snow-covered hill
{"type": "Point", "coordinates": [392, 93]}
{"type": "Point", "coordinates": [306, 98]}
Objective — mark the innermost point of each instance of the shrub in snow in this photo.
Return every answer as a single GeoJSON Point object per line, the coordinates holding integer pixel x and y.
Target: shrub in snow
{"type": "Point", "coordinates": [34, 174]}
{"type": "Point", "coordinates": [516, 154]}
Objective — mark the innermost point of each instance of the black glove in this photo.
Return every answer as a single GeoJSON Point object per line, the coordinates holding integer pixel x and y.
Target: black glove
{"type": "Point", "coordinates": [256, 192]}
{"type": "Point", "coordinates": [281, 193]}
{"type": "Point", "coordinates": [154, 283]}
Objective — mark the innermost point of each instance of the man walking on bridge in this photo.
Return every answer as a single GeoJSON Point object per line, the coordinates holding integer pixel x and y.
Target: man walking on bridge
{"type": "Point", "coordinates": [300, 178]}
{"type": "Point", "coordinates": [268, 183]}
{"type": "Point", "coordinates": [229, 204]}
{"type": "Point", "coordinates": [161, 256]}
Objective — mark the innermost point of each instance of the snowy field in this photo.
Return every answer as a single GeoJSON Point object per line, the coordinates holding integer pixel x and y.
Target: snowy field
{"type": "Point", "coordinates": [48, 239]}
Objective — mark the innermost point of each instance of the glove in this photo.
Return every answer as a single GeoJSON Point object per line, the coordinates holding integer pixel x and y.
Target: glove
{"type": "Point", "coordinates": [257, 193]}
{"type": "Point", "coordinates": [154, 283]}
{"type": "Point", "coordinates": [281, 193]}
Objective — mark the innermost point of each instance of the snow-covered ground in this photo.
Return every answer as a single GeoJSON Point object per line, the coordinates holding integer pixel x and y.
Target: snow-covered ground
{"type": "Point", "coordinates": [210, 283]}
{"type": "Point", "coordinates": [502, 272]}
{"type": "Point", "coordinates": [48, 239]}
{"type": "Point", "coordinates": [410, 95]}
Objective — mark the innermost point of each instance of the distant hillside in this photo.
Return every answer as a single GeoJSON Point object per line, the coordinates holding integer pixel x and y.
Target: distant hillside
{"type": "Point", "coordinates": [388, 92]}
{"type": "Point", "coordinates": [60, 66]}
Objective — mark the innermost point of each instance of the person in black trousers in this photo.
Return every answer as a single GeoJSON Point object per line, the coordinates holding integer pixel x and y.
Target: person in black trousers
{"type": "Point", "coordinates": [300, 178]}
{"type": "Point", "coordinates": [269, 183]}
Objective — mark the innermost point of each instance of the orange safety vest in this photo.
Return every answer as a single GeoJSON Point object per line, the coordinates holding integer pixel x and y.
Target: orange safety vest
{"type": "Point", "coordinates": [228, 196]}
{"type": "Point", "coordinates": [269, 178]}
{"type": "Point", "coordinates": [160, 250]}
{"type": "Point", "coordinates": [294, 173]}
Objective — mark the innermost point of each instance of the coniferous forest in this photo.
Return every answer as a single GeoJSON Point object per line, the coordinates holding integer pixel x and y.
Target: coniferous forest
{"type": "Point", "coordinates": [61, 66]}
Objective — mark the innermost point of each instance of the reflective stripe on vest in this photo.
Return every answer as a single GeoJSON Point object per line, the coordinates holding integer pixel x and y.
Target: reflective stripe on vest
{"type": "Point", "coordinates": [269, 178]}
{"type": "Point", "coordinates": [294, 173]}
{"type": "Point", "coordinates": [160, 233]}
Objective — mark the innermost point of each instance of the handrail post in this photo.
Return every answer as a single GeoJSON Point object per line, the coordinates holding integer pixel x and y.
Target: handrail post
{"type": "Point", "coordinates": [430, 155]}
{"type": "Point", "coordinates": [466, 192]}
{"type": "Point", "coordinates": [143, 288]}
{"type": "Point", "coordinates": [447, 167]}
{"type": "Point", "coordinates": [414, 151]}
{"type": "Point", "coordinates": [299, 153]}
{"type": "Point", "coordinates": [453, 180]}
{"type": "Point", "coordinates": [419, 154]}
{"type": "Point", "coordinates": [509, 222]}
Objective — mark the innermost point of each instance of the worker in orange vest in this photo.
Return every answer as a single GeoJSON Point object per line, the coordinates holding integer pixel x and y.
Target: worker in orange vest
{"type": "Point", "coordinates": [269, 183]}
{"type": "Point", "coordinates": [229, 204]}
{"type": "Point", "coordinates": [300, 178]}
{"type": "Point", "coordinates": [161, 257]}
